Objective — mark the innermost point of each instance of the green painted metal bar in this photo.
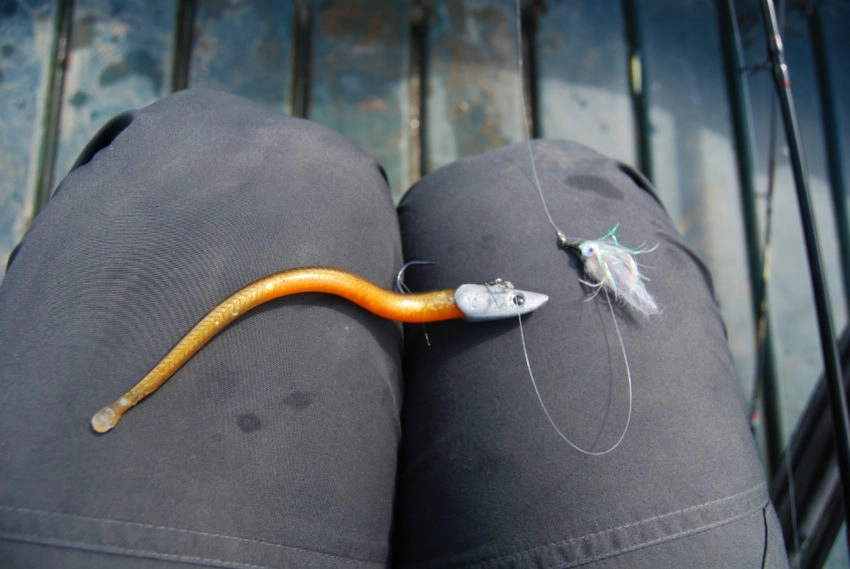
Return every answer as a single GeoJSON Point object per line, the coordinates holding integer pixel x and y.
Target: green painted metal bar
{"type": "Point", "coordinates": [301, 56]}
{"type": "Point", "coordinates": [420, 12]}
{"type": "Point", "coordinates": [765, 380]}
{"type": "Point", "coordinates": [529, 23]}
{"type": "Point", "coordinates": [48, 146]}
{"type": "Point", "coordinates": [639, 80]}
{"type": "Point", "coordinates": [181, 55]}
{"type": "Point", "coordinates": [832, 136]}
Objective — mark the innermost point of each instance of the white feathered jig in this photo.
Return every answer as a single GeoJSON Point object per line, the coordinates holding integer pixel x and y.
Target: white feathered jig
{"type": "Point", "coordinates": [613, 268]}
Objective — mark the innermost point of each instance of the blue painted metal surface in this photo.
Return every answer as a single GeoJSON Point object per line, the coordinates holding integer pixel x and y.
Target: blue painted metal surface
{"type": "Point", "coordinates": [246, 48]}
{"type": "Point", "coordinates": [26, 47]}
{"type": "Point", "coordinates": [120, 58]}
{"type": "Point", "coordinates": [583, 77]}
{"type": "Point", "coordinates": [359, 79]}
{"type": "Point", "coordinates": [695, 170]}
{"type": "Point", "coordinates": [472, 76]}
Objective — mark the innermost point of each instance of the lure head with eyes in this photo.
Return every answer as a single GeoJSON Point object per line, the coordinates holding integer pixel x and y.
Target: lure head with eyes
{"type": "Point", "coordinates": [495, 300]}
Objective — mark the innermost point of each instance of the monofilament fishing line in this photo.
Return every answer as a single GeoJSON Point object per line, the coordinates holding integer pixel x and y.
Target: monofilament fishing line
{"type": "Point", "coordinates": [611, 266]}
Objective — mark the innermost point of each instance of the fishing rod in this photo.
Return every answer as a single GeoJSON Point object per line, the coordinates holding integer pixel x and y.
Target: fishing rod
{"type": "Point", "coordinates": [829, 346]}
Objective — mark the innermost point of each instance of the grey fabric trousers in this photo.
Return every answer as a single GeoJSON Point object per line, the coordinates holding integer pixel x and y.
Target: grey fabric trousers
{"type": "Point", "coordinates": [311, 433]}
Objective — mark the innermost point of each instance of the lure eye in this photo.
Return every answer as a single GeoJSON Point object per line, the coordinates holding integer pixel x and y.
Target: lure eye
{"type": "Point", "coordinates": [588, 249]}
{"type": "Point", "coordinates": [518, 300]}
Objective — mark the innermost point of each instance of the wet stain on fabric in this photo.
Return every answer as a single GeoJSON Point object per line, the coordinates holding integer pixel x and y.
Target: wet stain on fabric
{"type": "Point", "coordinates": [299, 399]}
{"type": "Point", "coordinates": [595, 184]}
{"type": "Point", "coordinates": [489, 464]}
{"type": "Point", "coordinates": [248, 422]}
{"type": "Point", "coordinates": [496, 466]}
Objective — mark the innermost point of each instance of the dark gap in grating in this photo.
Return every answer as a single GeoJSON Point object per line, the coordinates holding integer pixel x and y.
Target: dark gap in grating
{"type": "Point", "coordinates": [531, 14]}
{"type": "Point", "coordinates": [53, 103]}
{"type": "Point", "coordinates": [183, 39]}
{"type": "Point", "coordinates": [302, 52]}
{"type": "Point", "coordinates": [832, 140]}
{"type": "Point", "coordinates": [420, 14]}
{"type": "Point", "coordinates": [638, 83]}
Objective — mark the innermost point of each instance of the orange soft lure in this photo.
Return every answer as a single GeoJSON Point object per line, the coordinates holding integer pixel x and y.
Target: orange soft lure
{"type": "Point", "coordinates": [473, 302]}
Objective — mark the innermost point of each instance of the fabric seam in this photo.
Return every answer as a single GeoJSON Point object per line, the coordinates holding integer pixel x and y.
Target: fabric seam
{"type": "Point", "coordinates": [150, 553]}
{"type": "Point", "coordinates": [517, 555]}
{"type": "Point", "coordinates": [138, 553]}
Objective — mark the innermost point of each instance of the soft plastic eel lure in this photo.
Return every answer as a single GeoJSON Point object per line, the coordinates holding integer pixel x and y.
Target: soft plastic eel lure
{"type": "Point", "coordinates": [474, 302]}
